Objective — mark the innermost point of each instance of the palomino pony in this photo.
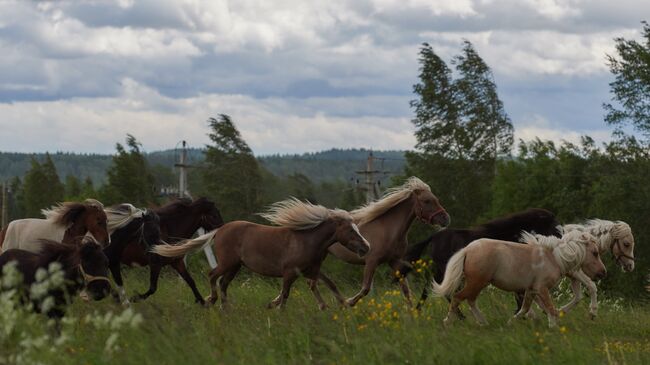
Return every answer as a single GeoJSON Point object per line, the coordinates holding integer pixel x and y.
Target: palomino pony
{"type": "Point", "coordinates": [129, 226]}
{"type": "Point", "coordinates": [534, 268]}
{"type": "Point", "coordinates": [179, 220]}
{"type": "Point", "coordinates": [297, 247]}
{"type": "Point", "coordinates": [84, 266]}
{"type": "Point", "coordinates": [613, 237]}
{"type": "Point", "coordinates": [444, 244]}
{"type": "Point", "coordinates": [385, 224]}
{"type": "Point", "coordinates": [63, 223]}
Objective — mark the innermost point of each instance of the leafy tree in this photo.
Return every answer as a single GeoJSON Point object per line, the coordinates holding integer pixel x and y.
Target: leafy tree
{"type": "Point", "coordinates": [88, 189]}
{"type": "Point", "coordinates": [42, 187]}
{"type": "Point", "coordinates": [232, 177]}
{"type": "Point", "coordinates": [129, 178]}
{"type": "Point", "coordinates": [72, 187]}
{"type": "Point", "coordinates": [16, 199]}
{"type": "Point", "coordinates": [631, 87]}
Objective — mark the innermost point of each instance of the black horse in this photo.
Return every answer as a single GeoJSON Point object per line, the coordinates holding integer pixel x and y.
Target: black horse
{"type": "Point", "coordinates": [178, 220]}
{"type": "Point", "coordinates": [444, 244]}
{"type": "Point", "coordinates": [84, 266]}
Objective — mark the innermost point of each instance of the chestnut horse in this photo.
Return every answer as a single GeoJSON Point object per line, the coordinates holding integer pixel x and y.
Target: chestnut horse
{"type": "Point", "coordinates": [297, 247]}
{"type": "Point", "coordinates": [84, 266]}
{"type": "Point", "coordinates": [179, 220]}
{"type": "Point", "coordinates": [63, 223]}
{"type": "Point", "coordinates": [534, 268]}
{"type": "Point", "coordinates": [613, 237]}
{"type": "Point", "coordinates": [385, 224]}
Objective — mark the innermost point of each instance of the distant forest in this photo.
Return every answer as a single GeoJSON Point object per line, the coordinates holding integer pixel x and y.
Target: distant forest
{"type": "Point", "coordinates": [334, 164]}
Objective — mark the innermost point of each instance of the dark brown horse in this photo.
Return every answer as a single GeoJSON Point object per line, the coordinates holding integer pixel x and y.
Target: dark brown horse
{"type": "Point", "coordinates": [298, 247]}
{"type": "Point", "coordinates": [179, 220]}
{"type": "Point", "coordinates": [84, 266]}
{"type": "Point", "coordinates": [63, 223]}
{"type": "Point", "coordinates": [385, 224]}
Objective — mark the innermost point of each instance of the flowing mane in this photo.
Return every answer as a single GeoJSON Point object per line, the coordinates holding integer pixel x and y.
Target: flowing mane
{"type": "Point", "coordinates": [605, 231]}
{"type": "Point", "coordinates": [391, 198]}
{"type": "Point", "coordinates": [569, 251]}
{"type": "Point", "coordinates": [67, 212]}
{"type": "Point", "coordinates": [297, 215]}
{"type": "Point", "coordinates": [121, 215]}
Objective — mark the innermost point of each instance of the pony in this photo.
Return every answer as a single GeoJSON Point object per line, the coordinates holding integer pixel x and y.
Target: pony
{"type": "Point", "coordinates": [84, 266]}
{"type": "Point", "coordinates": [613, 237]}
{"type": "Point", "coordinates": [63, 223]}
{"type": "Point", "coordinates": [534, 268]}
{"type": "Point", "coordinates": [385, 223]}
{"type": "Point", "coordinates": [444, 244]}
{"type": "Point", "coordinates": [297, 245]}
{"type": "Point", "coordinates": [129, 226]}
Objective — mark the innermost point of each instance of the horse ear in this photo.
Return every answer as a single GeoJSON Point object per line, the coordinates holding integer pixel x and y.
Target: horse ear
{"type": "Point", "coordinates": [73, 212]}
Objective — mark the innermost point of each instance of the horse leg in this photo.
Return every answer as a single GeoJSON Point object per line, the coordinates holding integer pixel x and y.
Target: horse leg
{"type": "Point", "coordinates": [526, 303]}
{"type": "Point", "coordinates": [548, 306]}
{"type": "Point", "coordinates": [154, 273]}
{"type": "Point", "coordinates": [120, 294]}
{"type": "Point", "coordinates": [287, 280]}
{"type": "Point", "coordinates": [313, 285]}
{"type": "Point", "coordinates": [470, 291]}
{"type": "Point", "coordinates": [330, 284]}
{"type": "Point", "coordinates": [425, 290]}
{"type": "Point", "coordinates": [213, 276]}
{"type": "Point", "coordinates": [577, 293]}
{"type": "Point", "coordinates": [225, 281]}
{"type": "Point", "coordinates": [593, 292]}
{"type": "Point", "coordinates": [181, 269]}
{"type": "Point", "coordinates": [403, 283]}
{"type": "Point", "coordinates": [368, 274]}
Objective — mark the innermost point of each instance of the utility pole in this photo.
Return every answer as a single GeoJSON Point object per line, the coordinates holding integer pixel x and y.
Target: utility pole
{"type": "Point", "coordinates": [369, 184]}
{"type": "Point", "coordinates": [3, 223]}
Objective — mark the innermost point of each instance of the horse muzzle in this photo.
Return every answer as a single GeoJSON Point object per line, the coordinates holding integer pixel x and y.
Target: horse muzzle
{"type": "Point", "coordinates": [601, 275]}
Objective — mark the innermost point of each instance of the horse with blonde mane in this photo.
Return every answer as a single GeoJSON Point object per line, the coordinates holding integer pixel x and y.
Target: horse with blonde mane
{"type": "Point", "coordinates": [534, 268]}
{"type": "Point", "coordinates": [613, 237]}
{"type": "Point", "coordinates": [385, 223]}
{"type": "Point", "coordinates": [65, 222]}
{"type": "Point", "coordinates": [297, 245]}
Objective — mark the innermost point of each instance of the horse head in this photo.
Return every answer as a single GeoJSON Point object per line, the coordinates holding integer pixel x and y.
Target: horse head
{"type": "Point", "coordinates": [348, 234]}
{"type": "Point", "coordinates": [93, 266]}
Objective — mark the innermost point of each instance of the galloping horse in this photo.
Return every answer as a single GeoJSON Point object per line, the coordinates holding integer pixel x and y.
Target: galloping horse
{"type": "Point", "coordinates": [129, 226]}
{"type": "Point", "coordinates": [298, 246]}
{"type": "Point", "coordinates": [534, 268]}
{"type": "Point", "coordinates": [444, 244]}
{"type": "Point", "coordinates": [63, 223]}
{"type": "Point", "coordinates": [84, 266]}
{"type": "Point", "coordinates": [179, 220]}
{"type": "Point", "coordinates": [613, 237]}
{"type": "Point", "coordinates": [385, 224]}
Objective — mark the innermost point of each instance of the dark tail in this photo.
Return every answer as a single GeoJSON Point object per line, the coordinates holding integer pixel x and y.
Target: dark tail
{"type": "Point", "coordinates": [414, 252]}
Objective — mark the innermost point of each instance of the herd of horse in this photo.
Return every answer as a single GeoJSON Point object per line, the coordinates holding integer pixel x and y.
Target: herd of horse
{"type": "Point", "coordinates": [527, 252]}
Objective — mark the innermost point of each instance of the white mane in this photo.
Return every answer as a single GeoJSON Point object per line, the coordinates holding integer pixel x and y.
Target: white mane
{"type": "Point", "coordinates": [569, 251]}
{"type": "Point", "coordinates": [391, 198]}
{"type": "Point", "coordinates": [295, 214]}
{"type": "Point", "coordinates": [605, 231]}
{"type": "Point", "coordinates": [121, 215]}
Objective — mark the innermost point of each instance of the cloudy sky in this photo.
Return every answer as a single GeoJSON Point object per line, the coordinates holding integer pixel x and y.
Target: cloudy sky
{"type": "Point", "coordinates": [294, 75]}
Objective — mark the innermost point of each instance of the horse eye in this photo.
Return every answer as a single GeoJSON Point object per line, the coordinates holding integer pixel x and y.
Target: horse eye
{"type": "Point", "coordinates": [595, 253]}
{"type": "Point", "coordinates": [626, 244]}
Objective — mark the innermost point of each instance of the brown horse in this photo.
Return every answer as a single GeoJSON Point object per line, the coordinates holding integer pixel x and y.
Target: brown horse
{"type": "Point", "coordinates": [298, 246]}
{"type": "Point", "coordinates": [385, 224]}
{"type": "Point", "coordinates": [64, 223]}
{"type": "Point", "coordinates": [534, 268]}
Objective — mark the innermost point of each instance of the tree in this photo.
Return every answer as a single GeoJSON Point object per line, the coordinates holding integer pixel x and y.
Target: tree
{"type": "Point", "coordinates": [129, 177]}
{"type": "Point", "coordinates": [42, 187]}
{"type": "Point", "coordinates": [232, 177]}
{"type": "Point", "coordinates": [631, 87]}
{"type": "Point", "coordinates": [72, 187]}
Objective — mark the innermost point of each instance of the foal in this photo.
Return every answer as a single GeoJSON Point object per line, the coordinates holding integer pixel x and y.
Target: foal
{"type": "Point", "coordinates": [298, 246]}
{"type": "Point", "coordinates": [534, 268]}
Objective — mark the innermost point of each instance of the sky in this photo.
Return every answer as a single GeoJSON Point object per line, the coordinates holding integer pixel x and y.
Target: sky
{"type": "Point", "coordinates": [295, 76]}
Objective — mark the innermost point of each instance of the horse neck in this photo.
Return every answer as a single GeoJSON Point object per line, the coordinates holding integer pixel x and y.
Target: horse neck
{"type": "Point", "coordinates": [180, 224]}
{"type": "Point", "coordinates": [603, 234]}
{"type": "Point", "coordinates": [397, 220]}
{"type": "Point", "coordinates": [568, 261]}
{"type": "Point", "coordinates": [322, 236]}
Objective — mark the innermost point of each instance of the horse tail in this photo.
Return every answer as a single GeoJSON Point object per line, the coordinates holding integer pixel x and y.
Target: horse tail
{"type": "Point", "coordinates": [413, 253]}
{"type": "Point", "coordinates": [453, 275]}
{"type": "Point", "coordinates": [184, 247]}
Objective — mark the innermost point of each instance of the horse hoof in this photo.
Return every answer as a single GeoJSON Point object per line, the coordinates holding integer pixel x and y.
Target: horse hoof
{"type": "Point", "coordinates": [350, 303]}
{"type": "Point", "coordinates": [592, 316]}
{"type": "Point", "coordinates": [322, 306]}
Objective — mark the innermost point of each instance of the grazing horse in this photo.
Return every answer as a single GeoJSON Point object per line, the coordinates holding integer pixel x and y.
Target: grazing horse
{"type": "Point", "coordinates": [179, 220]}
{"type": "Point", "coordinates": [63, 223]}
{"type": "Point", "coordinates": [385, 224]}
{"type": "Point", "coordinates": [297, 247]}
{"type": "Point", "coordinates": [129, 226]}
{"type": "Point", "coordinates": [84, 266]}
{"type": "Point", "coordinates": [444, 244]}
{"type": "Point", "coordinates": [613, 237]}
{"type": "Point", "coordinates": [534, 268]}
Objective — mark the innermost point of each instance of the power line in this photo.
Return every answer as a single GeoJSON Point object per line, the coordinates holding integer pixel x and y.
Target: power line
{"type": "Point", "coordinates": [370, 185]}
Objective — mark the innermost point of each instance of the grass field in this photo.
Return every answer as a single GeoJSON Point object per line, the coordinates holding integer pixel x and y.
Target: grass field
{"type": "Point", "coordinates": [379, 330]}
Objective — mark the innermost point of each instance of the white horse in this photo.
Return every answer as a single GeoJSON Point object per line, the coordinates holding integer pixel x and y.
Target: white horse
{"type": "Point", "coordinates": [614, 237]}
{"type": "Point", "coordinates": [534, 268]}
